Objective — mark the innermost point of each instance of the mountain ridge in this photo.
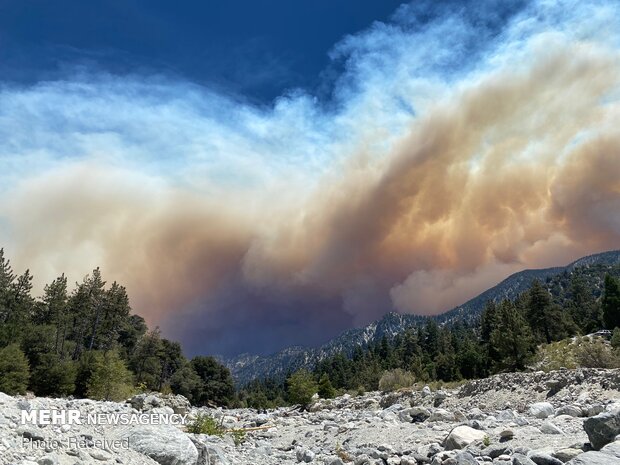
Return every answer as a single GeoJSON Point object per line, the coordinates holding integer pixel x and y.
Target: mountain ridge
{"type": "Point", "coordinates": [246, 367]}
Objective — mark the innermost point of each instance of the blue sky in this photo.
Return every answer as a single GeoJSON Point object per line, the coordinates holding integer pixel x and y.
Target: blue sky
{"type": "Point", "coordinates": [254, 49]}
{"type": "Point", "coordinates": [263, 174]}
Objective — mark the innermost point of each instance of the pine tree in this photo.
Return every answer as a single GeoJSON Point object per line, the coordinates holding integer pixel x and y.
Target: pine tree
{"type": "Point", "coordinates": [583, 307]}
{"type": "Point", "coordinates": [611, 303]}
{"type": "Point", "coordinates": [54, 310]}
{"type": "Point", "coordinates": [14, 370]}
{"type": "Point", "coordinates": [6, 282]}
{"type": "Point", "coordinates": [326, 390]}
{"type": "Point", "coordinates": [110, 379]}
{"type": "Point", "coordinates": [53, 376]}
{"type": "Point", "coordinates": [512, 338]}
{"type": "Point", "coordinates": [546, 318]}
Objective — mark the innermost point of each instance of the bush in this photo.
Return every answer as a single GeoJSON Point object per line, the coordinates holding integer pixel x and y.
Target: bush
{"type": "Point", "coordinates": [53, 376]}
{"type": "Point", "coordinates": [110, 380]}
{"type": "Point", "coordinates": [205, 424]}
{"type": "Point", "coordinates": [301, 387]}
{"type": "Point", "coordinates": [14, 370]}
{"type": "Point", "coordinates": [595, 353]}
{"type": "Point", "coordinates": [392, 380]}
{"type": "Point", "coordinates": [556, 355]}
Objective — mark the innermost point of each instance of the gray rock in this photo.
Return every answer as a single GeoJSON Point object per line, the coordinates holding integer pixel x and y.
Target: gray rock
{"type": "Point", "coordinates": [48, 460]}
{"type": "Point", "coordinates": [520, 459]}
{"type": "Point", "coordinates": [602, 428]}
{"type": "Point", "coordinates": [414, 414]}
{"type": "Point", "coordinates": [465, 458]}
{"type": "Point", "coordinates": [540, 458]}
{"type": "Point", "coordinates": [541, 410]}
{"type": "Point", "coordinates": [594, 458]}
{"type": "Point", "coordinates": [567, 454]}
{"type": "Point", "coordinates": [99, 454]}
{"type": "Point", "coordinates": [549, 428]}
{"type": "Point", "coordinates": [304, 455]}
{"type": "Point", "coordinates": [495, 450]}
{"type": "Point", "coordinates": [441, 415]}
{"type": "Point", "coordinates": [31, 432]}
{"type": "Point", "coordinates": [570, 410]}
{"type": "Point", "coordinates": [333, 461]}
{"type": "Point", "coordinates": [612, 449]}
{"type": "Point", "coordinates": [165, 445]}
{"type": "Point", "coordinates": [462, 436]}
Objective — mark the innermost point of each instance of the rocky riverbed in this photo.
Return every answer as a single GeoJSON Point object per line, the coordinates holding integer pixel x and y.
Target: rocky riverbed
{"type": "Point", "coordinates": [569, 416]}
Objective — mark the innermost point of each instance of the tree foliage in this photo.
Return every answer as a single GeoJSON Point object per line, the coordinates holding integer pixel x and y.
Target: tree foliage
{"type": "Point", "coordinates": [14, 370]}
{"type": "Point", "coordinates": [301, 387]}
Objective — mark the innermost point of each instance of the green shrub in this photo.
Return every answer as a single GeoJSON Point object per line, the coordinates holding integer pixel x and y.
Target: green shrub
{"type": "Point", "coordinates": [551, 357]}
{"type": "Point", "coordinates": [301, 387]}
{"type": "Point", "coordinates": [14, 370]}
{"type": "Point", "coordinates": [110, 380]}
{"type": "Point", "coordinates": [595, 353]}
{"type": "Point", "coordinates": [391, 380]}
{"type": "Point", "coordinates": [205, 424]}
{"type": "Point", "coordinates": [53, 376]}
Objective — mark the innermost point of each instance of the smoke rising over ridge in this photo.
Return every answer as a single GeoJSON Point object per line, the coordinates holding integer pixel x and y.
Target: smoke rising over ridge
{"type": "Point", "coordinates": [440, 166]}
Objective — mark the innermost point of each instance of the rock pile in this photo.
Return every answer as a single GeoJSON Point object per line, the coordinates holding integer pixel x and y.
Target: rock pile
{"type": "Point", "coordinates": [564, 417]}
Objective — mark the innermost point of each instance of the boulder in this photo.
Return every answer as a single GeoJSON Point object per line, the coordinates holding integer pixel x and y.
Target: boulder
{"type": "Point", "coordinates": [594, 458]}
{"type": "Point", "coordinates": [540, 458]}
{"type": "Point", "coordinates": [414, 414]}
{"type": "Point", "coordinates": [567, 454]}
{"type": "Point", "coordinates": [549, 428]}
{"type": "Point", "coordinates": [441, 415]}
{"type": "Point", "coordinates": [520, 459]}
{"type": "Point", "coordinates": [464, 458]}
{"type": "Point", "coordinates": [612, 449]}
{"type": "Point", "coordinates": [570, 410]}
{"type": "Point", "coordinates": [462, 436]}
{"type": "Point", "coordinates": [541, 410]}
{"type": "Point", "coordinates": [165, 445]}
{"type": "Point", "coordinates": [602, 428]}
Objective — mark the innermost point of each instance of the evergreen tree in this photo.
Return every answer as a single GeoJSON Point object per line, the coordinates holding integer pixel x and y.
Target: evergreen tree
{"type": "Point", "coordinates": [53, 311]}
{"type": "Point", "coordinates": [546, 319]}
{"type": "Point", "coordinates": [326, 390]}
{"type": "Point", "coordinates": [615, 338]}
{"type": "Point", "coordinates": [53, 376]}
{"type": "Point", "coordinates": [130, 332]}
{"type": "Point", "coordinates": [611, 302]}
{"type": "Point", "coordinates": [217, 383]}
{"type": "Point", "coordinates": [110, 379]}
{"type": "Point", "coordinates": [512, 338]}
{"type": "Point", "coordinates": [186, 382]}
{"type": "Point", "coordinates": [301, 387]}
{"type": "Point", "coordinates": [582, 305]}
{"type": "Point", "coordinates": [146, 359]}
{"type": "Point", "coordinates": [14, 369]}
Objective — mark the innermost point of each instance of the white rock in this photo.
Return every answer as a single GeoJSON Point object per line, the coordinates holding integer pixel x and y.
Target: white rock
{"type": "Point", "coordinates": [462, 436]}
{"type": "Point", "coordinates": [541, 410]}
{"type": "Point", "coordinates": [164, 444]}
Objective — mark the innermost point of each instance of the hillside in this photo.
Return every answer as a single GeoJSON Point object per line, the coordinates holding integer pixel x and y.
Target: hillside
{"type": "Point", "coordinates": [247, 367]}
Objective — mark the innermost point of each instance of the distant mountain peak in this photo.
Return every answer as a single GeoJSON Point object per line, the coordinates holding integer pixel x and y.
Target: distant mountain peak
{"type": "Point", "coordinates": [247, 367]}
